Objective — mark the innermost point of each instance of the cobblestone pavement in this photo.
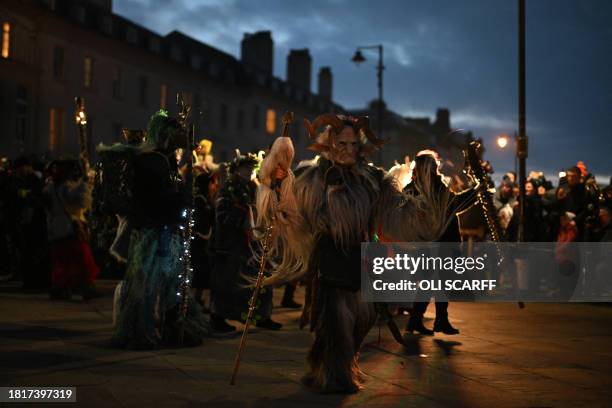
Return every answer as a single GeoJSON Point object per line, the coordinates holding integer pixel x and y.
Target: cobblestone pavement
{"type": "Point", "coordinates": [546, 355]}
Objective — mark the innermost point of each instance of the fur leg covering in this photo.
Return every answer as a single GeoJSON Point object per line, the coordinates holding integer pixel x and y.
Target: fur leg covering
{"type": "Point", "coordinates": [342, 324]}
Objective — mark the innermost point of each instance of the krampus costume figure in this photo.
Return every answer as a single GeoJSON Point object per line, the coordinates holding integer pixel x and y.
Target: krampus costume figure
{"type": "Point", "coordinates": [320, 217]}
{"type": "Point", "coordinates": [149, 313]}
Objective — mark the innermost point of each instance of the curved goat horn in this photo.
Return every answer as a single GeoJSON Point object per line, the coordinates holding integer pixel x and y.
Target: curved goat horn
{"type": "Point", "coordinates": [323, 120]}
{"type": "Point", "coordinates": [363, 123]}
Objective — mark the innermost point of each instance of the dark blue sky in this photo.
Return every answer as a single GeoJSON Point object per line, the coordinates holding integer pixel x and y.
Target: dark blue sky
{"type": "Point", "coordinates": [441, 53]}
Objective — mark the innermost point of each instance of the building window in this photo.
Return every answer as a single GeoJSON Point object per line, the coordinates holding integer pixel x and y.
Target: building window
{"type": "Point", "coordinates": [58, 62]}
{"type": "Point", "coordinates": [6, 39]}
{"type": "Point", "coordinates": [55, 129]}
{"type": "Point", "coordinates": [271, 121]}
{"type": "Point", "coordinates": [118, 83]}
{"type": "Point", "coordinates": [107, 25]}
{"type": "Point", "coordinates": [163, 96]}
{"type": "Point", "coordinates": [240, 120]}
{"type": "Point", "coordinates": [132, 35]}
{"type": "Point", "coordinates": [143, 90]}
{"type": "Point", "coordinates": [88, 72]}
{"type": "Point", "coordinates": [256, 117]}
{"type": "Point", "coordinates": [223, 118]}
{"type": "Point", "coordinates": [228, 76]}
{"type": "Point", "coordinates": [22, 112]}
{"type": "Point", "coordinates": [176, 53]}
{"type": "Point", "coordinates": [213, 69]}
{"type": "Point", "coordinates": [154, 45]}
{"type": "Point", "coordinates": [196, 62]}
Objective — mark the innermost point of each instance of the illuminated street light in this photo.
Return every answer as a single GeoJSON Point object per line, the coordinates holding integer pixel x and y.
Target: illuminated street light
{"type": "Point", "coordinates": [502, 141]}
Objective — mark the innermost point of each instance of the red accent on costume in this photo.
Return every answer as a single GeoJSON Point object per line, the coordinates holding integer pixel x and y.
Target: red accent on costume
{"type": "Point", "coordinates": [73, 264]}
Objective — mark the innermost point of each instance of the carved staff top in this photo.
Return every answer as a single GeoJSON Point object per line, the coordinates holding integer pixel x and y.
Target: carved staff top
{"type": "Point", "coordinates": [80, 119]}
{"type": "Point", "coordinates": [286, 122]}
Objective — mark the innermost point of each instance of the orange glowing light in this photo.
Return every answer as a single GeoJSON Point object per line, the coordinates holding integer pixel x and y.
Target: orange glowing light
{"type": "Point", "coordinates": [502, 141]}
{"type": "Point", "coordinates": [6, 39]}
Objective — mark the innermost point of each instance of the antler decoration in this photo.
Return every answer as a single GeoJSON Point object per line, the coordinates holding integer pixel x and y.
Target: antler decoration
{"type": "Point", "coordinates": [184, 109]}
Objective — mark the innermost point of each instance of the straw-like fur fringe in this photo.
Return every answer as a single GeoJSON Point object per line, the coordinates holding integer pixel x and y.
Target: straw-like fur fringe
{"type": "Point", "coordinates": [294, 236]}
{"type": "Point", "coordinates": [347, 211]}
{"type": "Point", "coordinates": [342, 324]}
{"type": "Point", "coordinates": [344, 210]}
{"type": "Point", "coordinates": [405, 218]}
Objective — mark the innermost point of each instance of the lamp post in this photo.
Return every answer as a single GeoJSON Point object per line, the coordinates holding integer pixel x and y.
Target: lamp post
{"type": "Point", "coordinates": [358, 58]}
{"type": "Point", "coordinates": [521, 141]}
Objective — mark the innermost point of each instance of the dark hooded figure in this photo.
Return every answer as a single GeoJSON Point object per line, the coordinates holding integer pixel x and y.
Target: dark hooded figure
{"type": "Point", "coordinates": [25, 214]}
{"type": "Point", "coordinates": [427, 162]}
{"type": "Point", "coordinates": [233, 244]}
{"type": "Point", "coordinates": [150, 310]}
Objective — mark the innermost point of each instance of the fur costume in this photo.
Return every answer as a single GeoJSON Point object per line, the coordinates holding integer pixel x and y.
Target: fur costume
{"type": "Point", "coordinates": [323, 215]}
{"type": "Point", "coordinates": [147, 310]}
{"type": "Point", "coordinates": [234, 260]}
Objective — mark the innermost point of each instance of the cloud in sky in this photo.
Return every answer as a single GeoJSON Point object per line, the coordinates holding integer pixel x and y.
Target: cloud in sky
{"type": "Point", "coordinates": [442, 53]}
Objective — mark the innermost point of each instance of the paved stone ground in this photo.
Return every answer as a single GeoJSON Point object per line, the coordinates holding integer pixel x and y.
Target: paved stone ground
{"type": "Point", "coordinates": [546, 355]}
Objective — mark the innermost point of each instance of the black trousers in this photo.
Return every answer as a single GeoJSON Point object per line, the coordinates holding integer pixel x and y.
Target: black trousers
{"type": "Point", "coordinates": [419, 309]}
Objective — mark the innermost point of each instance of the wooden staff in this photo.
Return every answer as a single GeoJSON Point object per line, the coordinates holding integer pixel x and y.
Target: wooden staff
{"type": "Point", "coordinates": [286, 122]}
{"type": "Point", "coordinates": [80, 119]}
{"type": "Point", "coordinates": [185, 283]}
{"type": "Point", "coordinates": [485, 200]}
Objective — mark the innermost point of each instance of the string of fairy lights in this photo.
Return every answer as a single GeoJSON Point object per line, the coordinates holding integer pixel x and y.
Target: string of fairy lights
{"type": "Point", "coordinates": [187, 214]}
{"type": "Point", "coordinates": [187, 272]}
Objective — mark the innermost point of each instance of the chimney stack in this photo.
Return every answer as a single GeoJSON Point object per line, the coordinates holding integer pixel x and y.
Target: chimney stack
{"type": "Point", "coordinates": [325, 83]}
{"type": "Point", "coordinates": [299, 68]}
{"type": "Point", "coordinates": [442, 123]}
{"type": "Point", "coordinates": [257, 51]}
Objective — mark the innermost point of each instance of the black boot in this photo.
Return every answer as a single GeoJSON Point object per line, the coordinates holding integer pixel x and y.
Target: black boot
{"type": "Point", "coordinates": [416, 324]}
{"type": "Point", "coordinates": [288, 298]}
{"type": "Point", "coordinates": [441, 324]}
{"type": "Point", "coordinates": [219, 324]}
{"type": "Point", "coordinates": [268, 324]}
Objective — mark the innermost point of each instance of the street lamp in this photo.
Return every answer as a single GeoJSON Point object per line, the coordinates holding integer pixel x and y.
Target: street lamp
{"type": "Point", "coordinates": [502, 141]}
{"type": "Point", "coordinates": [358, 58]}
{"type": "Point", "coordinates": [521, 140]}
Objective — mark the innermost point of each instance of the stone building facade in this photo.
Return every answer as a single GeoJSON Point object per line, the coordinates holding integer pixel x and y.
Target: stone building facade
{"type": "Point", "coordinates": [55, 50]}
